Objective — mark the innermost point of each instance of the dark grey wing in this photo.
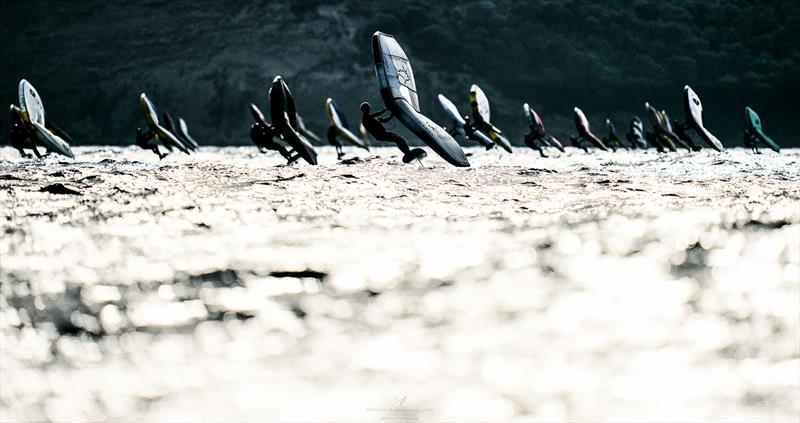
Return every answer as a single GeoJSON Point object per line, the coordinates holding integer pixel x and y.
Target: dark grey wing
{"type": "Point", "coordinates": [284, 117]}
{"type": "Point", "coordinates": [58, 131]}
{"type": "Point", "coordinates": [399, 93]}
{"type": "Point", "coordinates": [183, 130]}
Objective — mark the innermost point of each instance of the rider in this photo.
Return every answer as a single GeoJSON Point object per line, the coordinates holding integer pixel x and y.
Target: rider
{"type": "Point", "coordinates": [680, 131]}
{"type": "Point", "coordinates": [751, 142]}
{"type": "Point", "coordinates": [373, 123]}
{"type": "Point", "coordinates": [612, 140]}
{"type": "Point", "coordinates": [332, 134]}
{"type": "Point", "coordinates": [575, 141]}
{"type": "Point", "coordinates": [263, 136]}
{"type": "Point", "coordinates": [535, 133]}
{"type": "Point", "coordinates": [144, 141]}
{"type": "Point", "coordinates": [469, 133]}
{"type": "Point", "coordinates": [20, 137]}
{"type": "Point", "coordinates": [652, 139]}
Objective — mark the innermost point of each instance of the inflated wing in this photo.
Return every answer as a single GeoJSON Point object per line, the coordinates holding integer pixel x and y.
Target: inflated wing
{"type": "Point", "coordinates": [754, 127]}
{"type": "Point", "coordinates": [284, 117]}
{"type": "Point", "coordinates": [301, 127]}
{"type": "Point", "coordinates": [151, 116]}
{"type": "Point", "coordinates": [30, 103]}
{"type": "Point", "coordinates": [52, 141]}
{"type": "Point", "coordinates": [52, 127]}
{"type": "Point", "coordinates": [536, 121]}
{"type": "Point", "coordinates": [452, 111]}
{"type": "Point", "coordinates": [669, 131]}
{"type": "Point", "coordinates": [693, 109]}
{"type": "Point", "coordinates": [33, 115]}
{"type": "Point", "coordinates": [533, 117]}
{"type": "Point", "coordinates": [480, 104]}
{"type": "Point", "coordinates": [183, 128]}
{"type": "Point", "coordinates": [257, 115]}
{"type": "Point", "coordinates": [482, 115]}
{"type": "Point", "coordinates": [658, 125]}
{"type": "Point", "coordinates": [337, 120]}
{"type": "Point", "coordinates": [399, 94]}
{"type": "Point", "coordinates": [169, 124]}
{"type": "Point", "coordinates": [582, 125]}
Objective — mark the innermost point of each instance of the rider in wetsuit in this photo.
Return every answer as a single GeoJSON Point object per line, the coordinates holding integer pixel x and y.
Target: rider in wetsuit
{"type": "Point", "coordinates": [20, 137]}
{"type": "Point", "coordinates": [373, 123]}
{"type": "Point", "coordinates": [750, 141]}
{"type": "Point", "coordinates": [652, 139]}
{"type": "Point", "coordinates": [332, 134]}
{"type": "Point", "coordinates": [263, 136]}
{"type": "Point", "coordinates": [469, 133]}
{"type": "Point", "coordinates": [680, 131]}
{"type": "Point", "coordinates": [535, 134]}
{"type": "Point", "coordinates": [575, 141]}
{"type": "Point", "coordinates": [148, 143]}
{"type": "Point", "coordinates": [612, 140]}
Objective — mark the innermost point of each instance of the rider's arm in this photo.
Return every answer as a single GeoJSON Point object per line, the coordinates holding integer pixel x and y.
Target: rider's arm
{"type": "Point", "coordinates": [379, 113]}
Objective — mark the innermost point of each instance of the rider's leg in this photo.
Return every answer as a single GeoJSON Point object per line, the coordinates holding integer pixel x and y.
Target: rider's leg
{"type": "Point", "coordinates": [397, 139]}
{"type": "Point", "coordinates": [531, 143]}
{"type": "Point", "coordinates": [576, 143]}
{"type": "Point", "coordinates": [284, 153]}
{"type": "Point", "coordinates": [541, 150]}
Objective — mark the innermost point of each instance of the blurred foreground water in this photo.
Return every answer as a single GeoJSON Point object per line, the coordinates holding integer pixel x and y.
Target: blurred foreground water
{"type": "Point", "coordinates": [225, 286]}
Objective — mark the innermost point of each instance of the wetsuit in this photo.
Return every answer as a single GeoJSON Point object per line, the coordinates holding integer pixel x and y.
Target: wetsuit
{"type": "Point", "coordinates": [373, 123]}
{"type": "Point", "coordinates": [613, 140]}
{"type": "Point", "coordinates": [332, 134]}
{"type": "Point", "coordinates": [679, 130]}
{"type": "Point", "coordinates": [147, 142]}
{"type": "Point", "coordinates": [751, 142]}
{"type": "Point", "coordinates": [469, 133]}
{"type": "Point", "coordinates": [20, 138]}
{"type": "Point", "coordinates": [532, 136]}
{"type": "Point", "coordinates": [263, 136]}
{"type": "Point", "coordinates": [652, 139]}
{"type": "Point", "coordinates": [576, 143]}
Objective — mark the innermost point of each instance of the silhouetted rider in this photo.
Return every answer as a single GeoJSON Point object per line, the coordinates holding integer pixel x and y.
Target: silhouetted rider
{"type": "Point", "coordinates": [263, 136]}
{"type": "Point", "coordinates": [680, 131]}
{"type": "Point", "coordinates": [535, 134]}
{"type": "Point", "coordinates": [469, 127]}
{"type": "Point", "coordinates": [652, 139]}
{"type": "Point", "coordinates": [332, 134]}
{"type": "Point", "coordinates": [575, 141]}
{"type": "Point", "coordinates": [750, 142]}
{"type": "Point", "coordinates": [148, 143]}
{"type": "Point", "coordinates": [530, 141]}
{"type": "Point", "coordinates": [373, 123]}
{"type": "Point", "coordinates": [20, 138]}
{"type": "Point", "coordinates": [469, 133]}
